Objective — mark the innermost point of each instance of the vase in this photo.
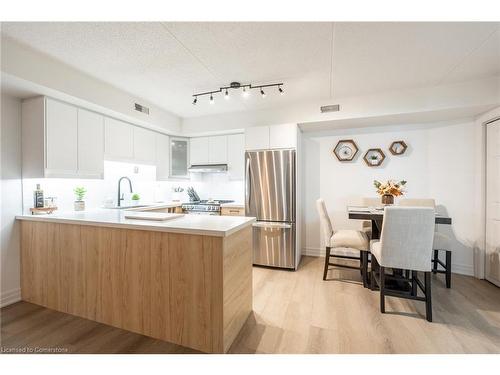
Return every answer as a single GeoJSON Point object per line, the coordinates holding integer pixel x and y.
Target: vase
{"type": "Point", "coordinates": [79, 205]}
{"type": "Point", "coordinates": [387, 199]}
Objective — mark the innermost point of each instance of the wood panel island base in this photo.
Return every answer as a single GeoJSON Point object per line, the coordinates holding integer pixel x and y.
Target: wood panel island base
{"type": "Point", "coordinates": [193, 290]}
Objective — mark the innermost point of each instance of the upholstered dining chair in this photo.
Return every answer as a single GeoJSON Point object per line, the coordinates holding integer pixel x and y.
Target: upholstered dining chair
{"type": "Point", "coordinates": [341, 240]}
{"type": "Point", "coordinates": [441, 241]}
{"type": "Point", "coordinates": [366, 225]}
{"type": "Point", "coordinates": [405, 243]}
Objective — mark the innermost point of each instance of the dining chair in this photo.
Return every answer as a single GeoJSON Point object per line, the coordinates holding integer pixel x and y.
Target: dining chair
{"type": "Point", "coordinates": [441, 241]}
{"type": "Point", "coordinates": [345, 239]}
{"type": "Point", "coordinates": [405, 243]}
{"type": "Point", "coordinates": [366, 225]}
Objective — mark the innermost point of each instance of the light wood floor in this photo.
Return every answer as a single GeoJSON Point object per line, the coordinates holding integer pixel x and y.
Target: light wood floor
{"type": "Point", "coordinates": [298, 312]}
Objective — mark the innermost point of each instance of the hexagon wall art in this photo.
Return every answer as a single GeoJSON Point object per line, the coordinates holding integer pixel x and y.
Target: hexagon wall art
{"type": "Point", "coordinates": [345, 150]}
{"type": "Point", "coordinates": [374, 157]}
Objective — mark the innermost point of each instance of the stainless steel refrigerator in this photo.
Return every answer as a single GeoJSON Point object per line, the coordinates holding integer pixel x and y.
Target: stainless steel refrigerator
{"type": "Point", "coordinates": [270, 196]}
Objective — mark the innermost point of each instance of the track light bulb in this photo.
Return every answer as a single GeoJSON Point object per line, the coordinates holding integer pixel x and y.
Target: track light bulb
{"type": "Point", "coordinates": [226, 95]}
{"type": "Point", "coordinates": [211, 99]}
{"type": "Point", "coordinates": [262, 93]}
{"type": "Point", "coordinates": [280, 90]}
{"type": "Point", "coordinates": [195, 100]}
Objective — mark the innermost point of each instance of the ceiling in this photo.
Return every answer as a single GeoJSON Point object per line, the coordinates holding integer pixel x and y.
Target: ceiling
{"type": "Point", "coordinates": [165, 63]}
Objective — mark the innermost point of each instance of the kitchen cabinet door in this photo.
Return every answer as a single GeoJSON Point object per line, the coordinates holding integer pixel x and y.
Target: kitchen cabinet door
{"type": "Point", "coordinates": [144, 146]}
{"type": "Point", "coordinates": [283, 136]}
{"type": "Point", "coordinates": [61, 138]}
{"type": "Point", "coordinates": [257, 138]}
{"type": "Point", "coordinates": [236, 156]}
{"type": "Point", "coordinates": [198, 150]}
{"type": "Point", "coordinates": [118, 140]}
{"type": "Point", "coordinates": [90, 144]}
{"type": "Point", "coordinates": [162, 157]}
{"type": "Point", "coordinates": [179, 157]}
{"type": "Point", "coordinates": [217, 149]}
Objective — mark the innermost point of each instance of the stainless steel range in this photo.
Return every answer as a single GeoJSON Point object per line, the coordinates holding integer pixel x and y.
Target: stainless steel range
{"type": "Point", "coordinates": [204, 207]}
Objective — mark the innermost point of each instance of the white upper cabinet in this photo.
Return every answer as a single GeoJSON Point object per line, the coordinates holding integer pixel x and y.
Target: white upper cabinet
{"type": "Point", "coordinates": [119, 140]}
{"type": "Point", "coordinates": [61, 131]}
{"type": "Point", "coordinates": [162, 156]}
{"type": "Point", "coordinates": [144, 146]}
{"type": "Point", "coordinates": [236, 156]}
{"type": "Point", "coordinates": [283, 136]}
{"type": "Point", "coordinates": [271, 137]}
{"type": "Point", "coordinates": [217, 149]}
{"type": "Point", "coordinates": [90, 144]}
{"type": "Point", "coordinates": [257, 138]}
{"type": "Point", "coordinates": [198, 150]}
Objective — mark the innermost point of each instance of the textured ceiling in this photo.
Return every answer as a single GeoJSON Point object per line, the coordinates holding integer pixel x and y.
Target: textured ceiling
{"type": "Point", "coordinates": [165, 63]}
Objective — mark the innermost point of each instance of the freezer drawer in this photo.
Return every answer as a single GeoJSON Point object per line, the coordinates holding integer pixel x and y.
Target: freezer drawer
{"type": "Point", "coordinates": [274, 244]}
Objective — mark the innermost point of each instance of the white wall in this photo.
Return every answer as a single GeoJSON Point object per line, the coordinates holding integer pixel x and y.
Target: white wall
{"type": "Point", "coordinates": [440, 163]}
{"type": "Point", "coordinates": [11, 199]}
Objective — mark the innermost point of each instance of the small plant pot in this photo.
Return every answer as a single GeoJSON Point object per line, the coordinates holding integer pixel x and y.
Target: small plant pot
{"type": "Point", "coordinates": [135, 202]}
{"type": "Point", "coordinates": [387, 199]}
{"type": "Point", "coordinates": [79, 205]}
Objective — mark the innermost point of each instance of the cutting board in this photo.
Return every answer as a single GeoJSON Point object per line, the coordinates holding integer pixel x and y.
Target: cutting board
{"type": "Point", "coordinates": [155, 216]}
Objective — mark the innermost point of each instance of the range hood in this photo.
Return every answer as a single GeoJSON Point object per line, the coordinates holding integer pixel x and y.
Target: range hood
{"type": "Point", "coordinates": [208, 168]}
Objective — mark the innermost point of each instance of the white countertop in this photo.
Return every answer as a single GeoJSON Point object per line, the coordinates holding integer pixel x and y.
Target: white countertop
{"type": "Point", "coordinates": [220, 226]}
{"type": "Point", "coordinates": [153, 206]}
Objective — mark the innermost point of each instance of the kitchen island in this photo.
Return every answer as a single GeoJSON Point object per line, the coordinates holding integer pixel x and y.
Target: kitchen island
{"type": "Point", "coordinates": [186, 280]}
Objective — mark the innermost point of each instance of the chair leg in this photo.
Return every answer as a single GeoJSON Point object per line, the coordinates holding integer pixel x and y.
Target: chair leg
{"type": "Point", "coordinates": [382, 289]}
{"type": "Point", "coordinates": [435, 261]}
{"type": "Point", "coordinates": [414, 283]}
{"type": "Point", "coordinates": [428, 296]}
{"type": "Point", "coordinates": [364, 268]}
{"type": "Point", "coordinates": [448, 268]}
{"type": "Point", "coordinates": [327, 260]}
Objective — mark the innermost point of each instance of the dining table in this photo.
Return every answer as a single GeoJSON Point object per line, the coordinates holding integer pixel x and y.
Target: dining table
{"type": "Point", "coordinates": [376, 216]}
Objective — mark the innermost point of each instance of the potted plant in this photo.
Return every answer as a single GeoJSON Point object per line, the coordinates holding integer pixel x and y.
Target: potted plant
{"type": "Point", "coordinates": [389, 189]}
{"type": "Point", "coordinates": [80, 192]}
{"type": "Point", "coordinates": [373, 159]}
{"type": "Point", "coordinates": [135, 199]}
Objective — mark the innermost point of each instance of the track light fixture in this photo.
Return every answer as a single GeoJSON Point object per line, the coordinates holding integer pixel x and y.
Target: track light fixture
{"type": "Point", "coordinates": [236, 86]}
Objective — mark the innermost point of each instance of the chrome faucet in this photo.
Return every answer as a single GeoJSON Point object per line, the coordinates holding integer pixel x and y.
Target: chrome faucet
{"type": "Point", "coordinates": [120, 195]}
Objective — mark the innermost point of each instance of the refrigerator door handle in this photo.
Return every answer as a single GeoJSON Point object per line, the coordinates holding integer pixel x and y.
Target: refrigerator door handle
{"type": "Point", "coordinates": [271, 225]}
{"type": "Point", "coordinates": [247, 188]}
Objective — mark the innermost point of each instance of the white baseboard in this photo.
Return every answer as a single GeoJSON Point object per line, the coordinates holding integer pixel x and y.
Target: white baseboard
{"type": "Point", "coordinates": [9, 297]}
{"type": "Point", "coordinates": [462, 269]}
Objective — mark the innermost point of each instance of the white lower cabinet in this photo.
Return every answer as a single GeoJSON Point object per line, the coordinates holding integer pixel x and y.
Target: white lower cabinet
{"type": "Point", "coordinates": [90, 144]}
{"type": "Point", "coordinates": [236, 156]}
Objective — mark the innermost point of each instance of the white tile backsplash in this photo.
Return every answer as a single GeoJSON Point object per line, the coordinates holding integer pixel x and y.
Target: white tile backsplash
{"type": "Point", "coordinates": [143, 177]}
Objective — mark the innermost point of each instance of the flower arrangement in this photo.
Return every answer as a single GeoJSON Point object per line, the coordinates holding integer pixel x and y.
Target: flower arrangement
{"type": "Point", "coordinates": [390, 187]}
